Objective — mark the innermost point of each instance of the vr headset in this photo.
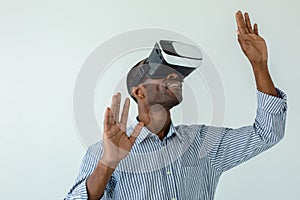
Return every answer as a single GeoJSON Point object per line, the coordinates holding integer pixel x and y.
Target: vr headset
{"type": "Point", "coordinates": [167, 57]}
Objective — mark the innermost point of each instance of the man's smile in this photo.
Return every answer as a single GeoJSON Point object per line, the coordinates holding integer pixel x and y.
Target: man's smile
{"type": "Point", "coordinates": [173, 85]}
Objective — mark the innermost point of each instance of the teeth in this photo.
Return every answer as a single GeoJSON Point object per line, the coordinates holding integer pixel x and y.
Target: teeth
{"type": "Point", "coordinates": [173, 85]}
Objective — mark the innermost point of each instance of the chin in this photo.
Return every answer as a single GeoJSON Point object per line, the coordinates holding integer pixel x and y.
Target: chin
{"type": "Point", "coordinates": [175, 102]}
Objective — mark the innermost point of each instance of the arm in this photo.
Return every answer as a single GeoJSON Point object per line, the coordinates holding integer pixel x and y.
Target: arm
{"type": "Point", "coordinates": [228, 147]}
{"type": "Point", "coordinates": [97, 181]}
{"type": "Point", "coordinates": [255, 49]}
{"type": "Point", "coordinates": [234, 146]}
{"type": "Point", "coordinates": [96, 174]}
{"type": "Point", "coordinates": [88, 166]}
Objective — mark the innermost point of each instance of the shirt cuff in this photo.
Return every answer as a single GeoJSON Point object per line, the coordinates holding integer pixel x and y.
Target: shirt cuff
{"type": "Point", "coordinates": [80, 192]}
{"type": "Point", "coordinates": [271, 103]}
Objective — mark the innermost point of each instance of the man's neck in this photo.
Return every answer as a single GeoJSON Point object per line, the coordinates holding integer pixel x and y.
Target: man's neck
{"type": "Point", "coordinates": [157, 120]}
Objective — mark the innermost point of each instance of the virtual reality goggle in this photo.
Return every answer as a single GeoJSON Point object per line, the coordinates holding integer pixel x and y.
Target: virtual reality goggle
{"type": "Point", "coordinates": [168, 57]}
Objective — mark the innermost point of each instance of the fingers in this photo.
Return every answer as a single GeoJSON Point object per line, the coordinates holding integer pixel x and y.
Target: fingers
{"type": "Point", "coordinates": [248, 23]}
{"type": "Point", "coordinates": [242, 28]}
{"type": "Point", "coordinates": [136, 131]}
{"type": "Point", "coordinates": [244, 24]}
{"type": "Point", "coordinates": [115, 107]}
{"type": "Point", "coordinates": [118, 107]}
{"type": "Point", "coordinates": [112, 107]}
{"type": "Point", "coordinates": [114, 112]}
{"type": "Point", "coordinates": [124, 116]}
{"type": "Point", "coordinates": [255, 29]}
{"type": "Point", "coordinates": [107, 119]}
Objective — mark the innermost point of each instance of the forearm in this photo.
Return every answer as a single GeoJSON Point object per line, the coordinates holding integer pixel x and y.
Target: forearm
{"type": "Point", "coordinates": [263, 79]}
{"type": "Point", "coordinates": [98, 180]}
{"type": "Point", "coordinates": [234, 146]}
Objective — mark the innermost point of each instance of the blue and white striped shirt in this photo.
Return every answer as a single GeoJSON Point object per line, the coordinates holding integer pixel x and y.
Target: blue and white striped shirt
{"type": "Point", "coordinates": [189, 161]}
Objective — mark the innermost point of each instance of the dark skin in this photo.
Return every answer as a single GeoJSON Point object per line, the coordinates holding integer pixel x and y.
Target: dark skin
{"type": "Point", "coordinates": [155, 98]}
{"type": "Point", "coordinates": [255, 49]}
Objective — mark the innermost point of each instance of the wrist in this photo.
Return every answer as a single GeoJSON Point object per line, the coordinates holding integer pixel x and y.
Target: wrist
{"type": "Point", "coordinates": [263, 79]}
{"type": "Point", "coordinates": [259, 66]}
{"type": "Point", "coordinates": [108, 164]}
{"type": "Point", "coordinates": [105, 168]}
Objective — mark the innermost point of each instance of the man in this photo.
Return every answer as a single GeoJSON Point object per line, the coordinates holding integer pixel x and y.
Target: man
{"type": "Point", "coordinates": [155, 160]}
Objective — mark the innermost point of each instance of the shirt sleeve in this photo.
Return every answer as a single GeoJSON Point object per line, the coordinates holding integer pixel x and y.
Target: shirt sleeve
{"type": "Point", "coordinates": [227, 147]}
{"type": "Point", "coordinates": [88, 165]}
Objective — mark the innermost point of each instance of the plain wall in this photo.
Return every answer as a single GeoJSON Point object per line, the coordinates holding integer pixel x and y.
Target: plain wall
{"type": "Point", "coordinates": [43, 45]}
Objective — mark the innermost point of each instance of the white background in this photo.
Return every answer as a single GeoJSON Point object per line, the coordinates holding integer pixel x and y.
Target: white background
{"type": "Point", "coordinates": [43, 45]}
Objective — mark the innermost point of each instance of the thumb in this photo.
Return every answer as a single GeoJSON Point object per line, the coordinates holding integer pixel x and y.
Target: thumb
{"type": "Point", "coordinates": [136, 132]}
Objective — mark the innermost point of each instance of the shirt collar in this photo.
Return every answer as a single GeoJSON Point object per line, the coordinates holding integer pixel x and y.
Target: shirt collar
{"type": "Point", "coordinates": [145, 132]}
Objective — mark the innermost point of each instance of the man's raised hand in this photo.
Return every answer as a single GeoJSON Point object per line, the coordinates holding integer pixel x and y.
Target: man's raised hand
{"type": "Point", "coordinates": [116, 143]}
{"type": "Point", "coordinates": [253, 45]}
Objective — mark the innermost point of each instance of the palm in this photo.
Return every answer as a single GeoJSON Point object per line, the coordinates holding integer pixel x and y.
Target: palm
{"type": "Point", "coordinates": [116, 144]}
{"type": "Point", "coordinates": [253, 45]}
{"type": "Point", "coordinates": [117, 140]}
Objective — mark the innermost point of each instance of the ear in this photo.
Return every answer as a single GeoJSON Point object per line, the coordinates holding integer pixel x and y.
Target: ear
{"type": "Point", "coordinates": [138, 92]}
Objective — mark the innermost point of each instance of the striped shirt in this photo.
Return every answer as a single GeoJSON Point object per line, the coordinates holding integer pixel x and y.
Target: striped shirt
{"type": "Point", "coordinates": [189, 161]}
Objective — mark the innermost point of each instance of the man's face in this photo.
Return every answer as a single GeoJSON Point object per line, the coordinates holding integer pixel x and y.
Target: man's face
{"type": "Point", "coordinates": [166, 92]}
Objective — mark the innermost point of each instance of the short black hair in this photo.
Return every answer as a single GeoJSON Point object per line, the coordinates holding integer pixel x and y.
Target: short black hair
{"type": "Point", "coordinates": [130, 77]}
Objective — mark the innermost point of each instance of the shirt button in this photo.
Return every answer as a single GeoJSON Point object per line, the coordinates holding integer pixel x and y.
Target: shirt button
{"type": "Point", "coordinates": [168, 173]}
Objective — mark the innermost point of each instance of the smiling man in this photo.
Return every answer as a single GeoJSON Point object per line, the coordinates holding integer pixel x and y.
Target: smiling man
{"type": "Point", "coordinates": [153, 159]}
